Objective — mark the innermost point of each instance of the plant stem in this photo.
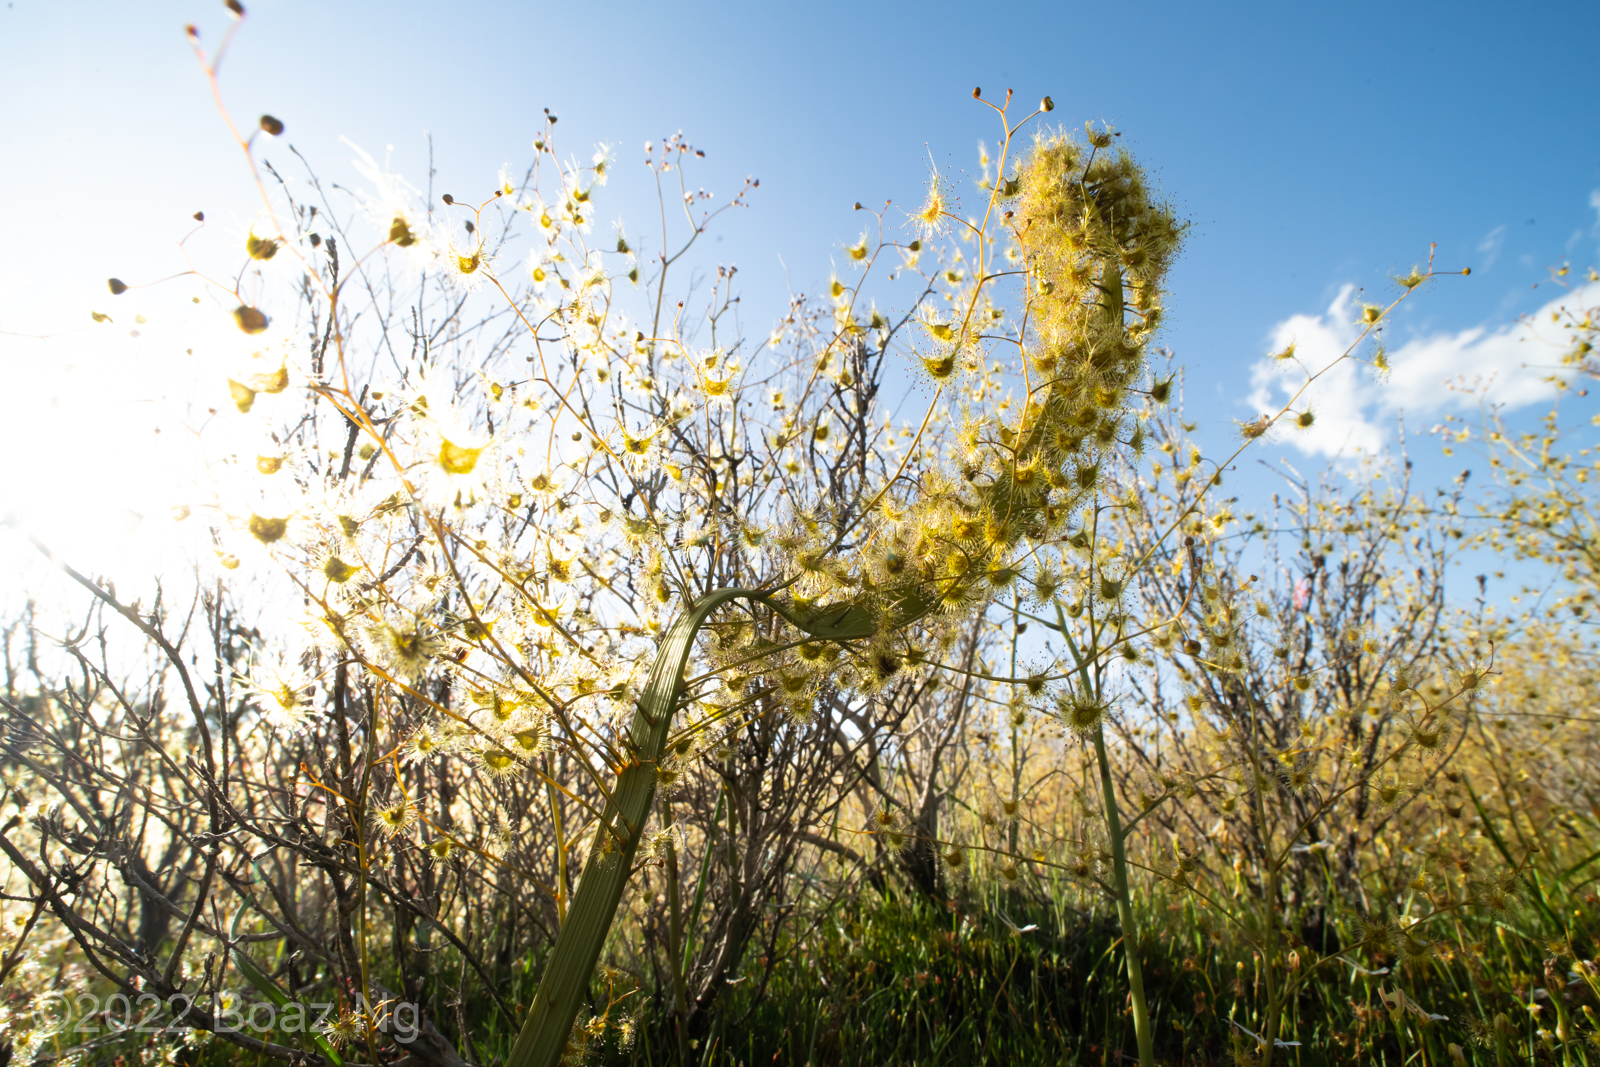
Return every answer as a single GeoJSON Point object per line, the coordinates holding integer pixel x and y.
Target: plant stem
{"type": "Point", "coordinates": [700, 885]}
{"type": "Point", "coordinates": [565, 983]}
{"type": "Point", "coordinates": [1269, 1029]}
{"type": "Point", "coordinates": [561, 849]}
{"type": "Point", "coordinates": [680, 999]}
{"type": "Point", "coordinates": [1016, 753]}
{"type": "Point", "coordinates": [1125, 916]}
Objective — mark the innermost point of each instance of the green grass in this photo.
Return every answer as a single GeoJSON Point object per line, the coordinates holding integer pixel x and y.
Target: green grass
{"type": "Point", "coordinates": [886, 982]}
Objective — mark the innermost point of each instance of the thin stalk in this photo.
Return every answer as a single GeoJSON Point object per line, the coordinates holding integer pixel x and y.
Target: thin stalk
{"type": "Point", "coordinates": [359, 826]}
{"type": "Point", "coordinates": [680, 997]}
{"type": "Point", "coordinates": [1016, 754]}
{"type": "Point", "coordinates": [1270, 916]}
{"type": "Point", "coordinates": [700, 886]}
{"type": "Point", "coordinates": [1269, 1032]}
{"type": "Point", "coordinates": [561, 851]}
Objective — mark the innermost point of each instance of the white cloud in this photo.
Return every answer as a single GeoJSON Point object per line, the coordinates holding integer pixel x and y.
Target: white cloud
{"type": "Point", "coordinates": [1430, 375]}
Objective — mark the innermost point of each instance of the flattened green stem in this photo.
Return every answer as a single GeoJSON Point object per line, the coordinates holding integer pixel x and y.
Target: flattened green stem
{"type": "Point", "coordinates": [605, 873]}
{"type": "Point", "coordinates": [1119, 857]}
{"type": "Point", "coordinates": [1125, 916]}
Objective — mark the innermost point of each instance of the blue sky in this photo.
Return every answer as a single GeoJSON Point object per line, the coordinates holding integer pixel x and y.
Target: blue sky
{"type": "Point", "coordinates": [1313, 147]}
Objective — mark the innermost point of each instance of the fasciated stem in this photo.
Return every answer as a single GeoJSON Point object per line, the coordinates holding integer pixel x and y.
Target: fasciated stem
{"type": "Point", "coordinates": [565, 982]}
{"type": "Point", "coordinates": [1125, 916]}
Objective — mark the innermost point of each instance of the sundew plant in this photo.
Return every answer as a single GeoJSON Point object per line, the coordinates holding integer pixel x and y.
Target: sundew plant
{"type": "Point", "coordinates": [548, 617]}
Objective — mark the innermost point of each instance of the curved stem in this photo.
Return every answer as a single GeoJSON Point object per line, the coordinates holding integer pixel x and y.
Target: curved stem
{"type": "Point", "coordinates": [565, 983]}
{"type": "Point", "coordinates": [1125, 916]}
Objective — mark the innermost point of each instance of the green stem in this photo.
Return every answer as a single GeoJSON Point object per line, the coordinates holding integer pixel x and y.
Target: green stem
{"type": "Point", "coordinates": [680, 998]}
{"type": "Point", "coordinates": [1269, 1029]}
{"type": "Point", "coordinates": [700, 886]}
{"type": "Point", "coordinates": [565, 982]}
{"type": "Point", "coordinates": [1125, 916]}
{"type": "Point", "coordinates": [1016, 753]}
{"type": "Point", "coordinates": [561, 848]}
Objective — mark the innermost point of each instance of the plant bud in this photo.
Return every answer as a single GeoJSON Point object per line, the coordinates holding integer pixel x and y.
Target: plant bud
{"type": "Point", "coordinates": [400, 232]}
{"type": "Point", "coordinates": [250, 320]}
{"type": "Point", "coordinates": [271, 125]}
{"type": "Point", "coordinates": [116, 286]}
{"type": "Point", "coordinates": [267, 530]}
{"type": "Point", "coordinates": [1047, 104]}
{"type": "Point", "coordinates": [262, 248]}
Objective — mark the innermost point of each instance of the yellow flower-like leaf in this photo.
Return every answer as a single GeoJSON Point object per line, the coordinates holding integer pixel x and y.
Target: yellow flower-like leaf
{"type": "Point", "coordinates": [272, 381]}
{"type": "Point", "coordinates": [267, 530]}
{"type": "Point", "coordinates": [457, 459]}
{"type": "Point", "coordinates": [338, 571]}
{"type": "Point", "coordinates": [244, 397]}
